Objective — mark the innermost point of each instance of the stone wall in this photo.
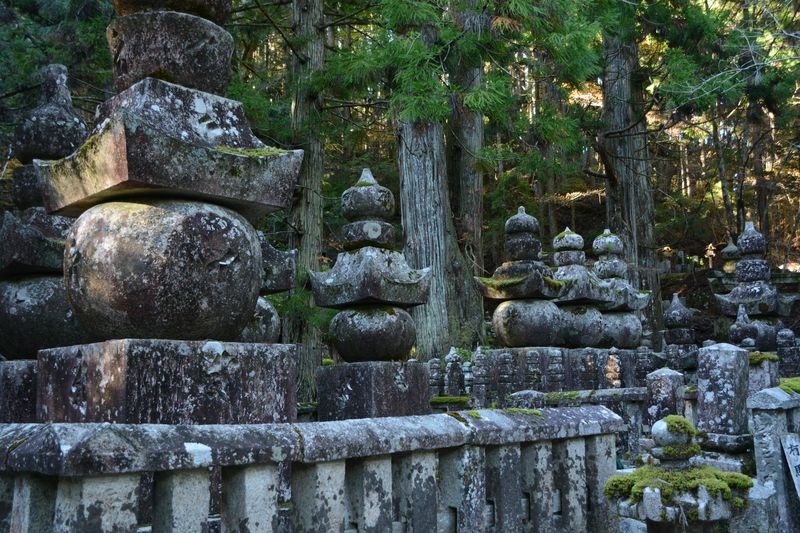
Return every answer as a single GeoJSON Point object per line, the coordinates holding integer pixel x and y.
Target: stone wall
{"type": "Point", "coordinates": [490, 470]}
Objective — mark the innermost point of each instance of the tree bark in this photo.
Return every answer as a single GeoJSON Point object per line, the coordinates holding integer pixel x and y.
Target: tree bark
{"type": "Point", "coordinates": [629, 191]}
{"type": "Point", "coordinates": [730, 216]}
{"type": "Point", "coordinates": [453, 315]}
{"type": "Point", "coordinates": [306, 216]}
{"type": "Point", "coordinates": [465, 140]}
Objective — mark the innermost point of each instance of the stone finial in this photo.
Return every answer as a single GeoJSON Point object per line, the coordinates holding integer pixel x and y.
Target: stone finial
{"type": "Point", "coordinates": [607, 243]}
{"type": "Point", "coordinates": [609, 248]}
{"type": "Point", "coordinates": [52, 130]}
{"type": "Point", "coordinates": [730, 252]}
{"type": "Point", "coordinates": [750, 241]}
{"type": "Point", "coordinates": [568, 240]}
{"type": "Point", "coordinates": [677, 315]}
{"type": "Point", "coordinates": [367, 205]}
{"type": "Point", "coordinates": [521, 243]}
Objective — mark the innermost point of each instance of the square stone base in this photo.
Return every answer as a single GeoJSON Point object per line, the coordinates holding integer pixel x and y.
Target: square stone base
{"type": "Point", "coordinates": [17, 392]}
{"type": "Point", "coordinates": [153, 381]}
{"type": "Point", "coordinates": [373, 389]}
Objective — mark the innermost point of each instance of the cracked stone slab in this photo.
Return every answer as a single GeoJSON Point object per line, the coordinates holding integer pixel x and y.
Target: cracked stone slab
{"type": "Point", "coordinates": [149, 381]}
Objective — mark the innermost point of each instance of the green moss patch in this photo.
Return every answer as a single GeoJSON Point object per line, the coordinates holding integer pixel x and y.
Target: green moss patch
{"type": "Point", "coordinates": [448, 400]}
{"type": "Point", "coordinates": [678, 424]}
{"type": "Point", "coordinates": [674, 482]}
{"type": "Point", "coordinates": [791, 385]}
{"type": "Point", "coordinates": [251, 152]}
{"type": "Point", "coordinates": [502, 283]}
{"type": "Point", "coordinates": [680, 451]}
{"type": "Point", "coordinates": [520, 411]}
{"type": "Point", "coordinates": [756, 358]}
{"type": "Point", "coordinates": [328, 362]}
{"type": "Point", "coordinates": [474, 414]}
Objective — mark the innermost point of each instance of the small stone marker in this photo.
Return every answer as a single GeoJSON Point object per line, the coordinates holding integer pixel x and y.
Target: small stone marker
{"type": "Point", "coordinates": [791, 449]}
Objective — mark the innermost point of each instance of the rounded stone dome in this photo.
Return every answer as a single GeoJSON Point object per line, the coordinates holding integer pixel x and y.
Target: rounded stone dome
{"type": "Point", "coordinates": [607, 243]}
{"type": "Point", "coordinates": [170, 269]}
{"type": "Point", "coordinates": [379, 333]}
{"type": "Point", "coordinates": [568, 240]}
{"type": "Point", "coordinates": [677, 315]}
{"type": "Point", "coordinates": [750, 241]}
{"type": "Point", "coordinates": [522, 222]}
{"type": "Point", "coordinates": [367, 199]}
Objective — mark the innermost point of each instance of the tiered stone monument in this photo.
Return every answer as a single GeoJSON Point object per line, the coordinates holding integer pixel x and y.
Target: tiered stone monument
{"type": "Point", "coordinates": [167, 188]}
{"type": "Point", "coordinates": [372, 285]}
{"type": "Point", "coordinates": [34, 312]}
{"type": "Point", "coordinates": [680, 349]}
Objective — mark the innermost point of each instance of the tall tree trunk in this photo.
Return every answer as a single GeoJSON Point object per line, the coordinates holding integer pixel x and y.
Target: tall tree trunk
{"type": "Point", "coordinates": [548, 95]}
{"type": "Point", "coordinates": [722, 171]}
{"type": "Point", "coordinates": [306, 216]}
{"type": "Point", "coordinates": [454, 312]}
{"type": "Point", "coordinates": [465, 140]}
{"type": "Point", "coordinates": [623, 149]}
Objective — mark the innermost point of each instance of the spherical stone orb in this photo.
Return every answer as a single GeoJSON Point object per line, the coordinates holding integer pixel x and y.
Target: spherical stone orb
{"type": "Point", "coordinates": [171, 269]}
{"type": "Point", "coordinates": [519, 323]}
{"type": "Point", "coordinates": [374, 333]}
{"type": "Point", "coordinates": [664, 437]}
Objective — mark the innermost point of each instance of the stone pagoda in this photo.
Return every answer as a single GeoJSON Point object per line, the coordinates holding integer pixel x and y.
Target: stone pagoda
{"type": "Point", "coordinates": [34, 311]}
{"type": "Point", "coordinates": [166, 190]}
{"type": "Point", "coordinates": [372, 286]}
{"type": "Point", "coordinates": [680, 348]}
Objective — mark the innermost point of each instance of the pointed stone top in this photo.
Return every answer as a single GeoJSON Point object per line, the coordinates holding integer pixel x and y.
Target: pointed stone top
{"type": "Point", "coordinates": [568, 240]}
{"type": "Point", "coordinates": [54, 85]}
{"type": "Point", "coordinates": [607, 243]}
{"type": "Point", "coordinates": [750, 241]}
{"type": "Point", "coordinates": [366, 179]}
{"type": "Point", "coordinates": [367, 199]}
{"type": "Point", "coordinates": [741, 315]}
{"type": "Point", "coordinates": [522, 222]}
{"type": "Point", "coordinates": [730, 251]}
{"type": "Point", "coordinates": [677, 315]}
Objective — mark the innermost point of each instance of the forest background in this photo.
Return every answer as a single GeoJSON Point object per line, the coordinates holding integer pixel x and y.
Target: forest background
{"type": "Point", "coordinates": [670, 122]}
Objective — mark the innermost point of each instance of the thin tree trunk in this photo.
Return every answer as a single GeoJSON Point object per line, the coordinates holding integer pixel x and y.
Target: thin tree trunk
{"type": "Point", "coordinates": [306, 216]}
{"type": "Point", "coordinates": [629, 191]}
{"type": "Point", "coordinates": [730, 216]}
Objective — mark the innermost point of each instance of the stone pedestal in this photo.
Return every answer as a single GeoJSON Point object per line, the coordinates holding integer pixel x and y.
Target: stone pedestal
{"type": "Point", "coordinates": [148, 381]}
{"type": "Point", "coordinates": [372, 389]}
{"type": "Point", "coordinates": [17, 392]}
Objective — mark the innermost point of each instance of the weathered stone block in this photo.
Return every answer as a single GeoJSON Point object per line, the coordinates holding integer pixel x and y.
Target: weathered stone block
{"type": "Point", "coordinates": [319, 497]}
{"type": "Point", "coordinates": [181, 48]}
{"type": "Point", "coordinates": [662, 394]}
{"type": "Point", "coordinates": [279, 267]}
{"type": "Point", "coordinates": [34, 503]}
{"type": "Point", "coordinates": [414, 490]}
{"type": "Point", "coordinates": [169, 269]}
{"type": "Point", "coordinates": [570, 478]}
{"type": "Point", "coordinates": [168, 382]}
{"type": "Point", "coordinates": [181, 500]}
{"type": "Point", "coordinates": [368, 483]}
{"type": "Point", "coordinates": [462, 486]}
{"type": "Point", "coordinates": [503, 487]}
{"type": "Point", "coordinates": [35, 314]}
{"type": "Point", "coordinates": [26, 190]}
{"type": "Point", "coordinates": [27, 249]}
{"type": "Point", "coordinates": [372, 389]}
{"type": "Point", "coordinates": [537, 477]}
{"type": "Point", "coordinates": [17, 391]}
{"type": "Point", "coordinates": [214, 10]}
{"type": "Point", "coordinates": [250, 498]}
{"type": "Point", "coordinates": [127, 157]}
{"type": "Point", "coordinates": [100, 504]}
{"type": "Point", "coordinates": [373, 333]}
{"type": "Point", "coordinates": [722, 383]}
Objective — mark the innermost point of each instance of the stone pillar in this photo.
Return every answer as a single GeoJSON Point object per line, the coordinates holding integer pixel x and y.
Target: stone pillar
{"type": "Point", "coordinates": [368, 483]}
{"type": "Point", "coordinates": [722, 384]}
{"type": "Point", "coordinates": [601, 464]}
{"type": "Point", "coordinates": [34, 503]}
{"type": "Point", "coordinates": [570, 478]}
{"type": "Point", "coordinates": [318, 496]}
{"type": "Point", "coordinates": [414, 490]}
{"type": "Point", "coordinates": [181, 500]}
{"type": "Point", "coordinates": [662, 394]}
{"type": "Point", "coordinates": [538, 485]}
{"type": "Point", "coordinates": [788, 353]}
{"type": "Point", "coordinates": [503, 487]}
{"type": "Point", "coordinates": [102, 504]}
{"type": "Point", "coordinates": [462, 488]}
{"type": "Point", "coordinates": [250, 497]}
{"type": "Point", "coordinates": [17, 391]}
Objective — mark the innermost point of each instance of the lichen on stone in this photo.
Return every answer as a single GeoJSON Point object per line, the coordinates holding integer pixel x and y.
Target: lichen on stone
{"type": "Point", "coordinates": [521, 411]}
{"type": "Point", "coordinates": [756, 358]}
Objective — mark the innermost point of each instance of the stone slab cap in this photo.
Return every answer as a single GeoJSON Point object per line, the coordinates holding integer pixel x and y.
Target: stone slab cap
{"type": "Point", "coordinates": [127, 157]}
{"type": "Point", "coordinates": [279, 267]}
{"type": "Point", "coordinates": [371, 275]}
{"type": "Point", "coordinates": [623, 296]}
{"type": "Point", "coordinates": [90, 449]}
{"type": "Point", "coordinates": [758, 298]}
{"type": "Point", "coordinates": [331, 441]}
{"type": "Point", "coordinates": [774, 399]}
{"type": "Point", "coordinates": [497, 427]}
{"type": "Point", "coordinates": [217, 11]}
{"type": "Point", "coordinates": [178, 47]}
{"type": "Point", "coordinates": [167, 381]}
{"type": "Point", "coordinates": [528, 279]}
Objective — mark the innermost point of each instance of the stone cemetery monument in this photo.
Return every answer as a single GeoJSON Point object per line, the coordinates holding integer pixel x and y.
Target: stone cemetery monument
{"type": "Point", "coordinates": [163, 255]}
{"type": "Point", "coordinates": [372, 286]}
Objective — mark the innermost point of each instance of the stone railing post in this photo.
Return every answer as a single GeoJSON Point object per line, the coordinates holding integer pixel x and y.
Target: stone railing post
{"type": "Point", "coordinates": [34, 503]}
{"type": "Point", "coordinates": [181, 500]}
{"type": "Point", "coordinates": [770, 412]}
{"type": "Point", "coordinates": [570, 475]}
{"type": "Point", "coordinates": [319, 503]}
{"type": "Point", "coordinates": [368, 483]}
{"type": "Point", "coordinates": [462, 487]}
{"type": "Point", "coordinates": [414, 490]}
{"type": "Point", "coordinates": [537, 479]}
{"type": "Point", "coordinates": [504, 487]}
{"type": "Point", "coordinates": [6, 501]}
{"type": "Point", "coordinates": [601, 464]}
{"type": "Point", "coordinates": [97, 503]}
{"type": "Point", "coordinates": [250, 497]}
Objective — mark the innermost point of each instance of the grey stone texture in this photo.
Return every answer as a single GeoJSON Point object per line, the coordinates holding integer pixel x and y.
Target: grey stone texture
{"type": "Point", "coordinates": [373, 333]}
{"type": "Point", "coordinates": [200, 153]}
{"type": "Point", "coordinates": [33, 242]}
{"type": "Point", "coordinates": [462, 487]}
{"type": "Point", "coordinates": [26, 189]}
{"type": "Point", "coordinates": [17, 391]}
{"type": "Point", "coordinates": [279, 267]}
{"type": "Point", "coordinates": [250, 498]}
{"type": "Point", "coordinates": [788, 353]}
{"type": "Point", "coordinates": [167, 382]}
{"type": "Point", "coordinates": [217, 11]}
{"type": "Point", "coordinates": [763, 334]}
{"type": "Point", "coordinates": [368, 276]}
{"type": "Point", "coordinates": [181, 500]}
{"type": "Point", "coordinates": [612, 269]}
{"type": "Point", "coordinates": [34, 499]}
{"type": "Point", "coordinates": [722, 385]}
{"type": "Point", "coordinates": [52, 130]}
{"type": "Point", "coordinates": [368, 486]}
{"type": "Point", "coordinates": [414, 490]}
{"type": "Point", "coordinates": [264, 326]}
{"type": "Point", "coordinates": [367, 199]}
{"type": "Point", "coordinates": [663, 396]}
{"type": "Point", "coordinates": [35, 314]}
{"type": "Point", "coordinates": [372, 389]}
{"type": "Point", "coordinates": [163, 269]}
{"type": "Point", "coordinates": [96, 503]}
{"type": "Point", "coordinates": [177, 47]}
